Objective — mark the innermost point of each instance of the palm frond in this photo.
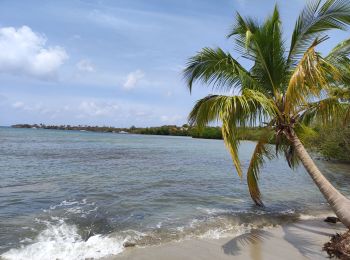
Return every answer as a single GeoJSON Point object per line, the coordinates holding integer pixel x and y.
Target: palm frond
{"type": "Point", "coordinates": [340, 53]}
{"type": "Point", "coordinates": [291, 157]}
{"type": "Point", "coordinates": [242, 31]}
{"type": "Point", "coordinates": [339, 57]}
{"type": "Point", "coordinates": [325, 111]}
{"type": "Point", "coordinates": [309, 78]}
{"type": "Point", "coordinates": [229, 134]}
{"type": "Point", "coordinates": [341, 92]}
{"type": "Point", "coordinates": [262, 151]}
{"type": "Point", "coordinates": [219, 69]}
{"type": "Point", "coordinates": [263, 44]}
{"type": "Point", "coordinates": [248, 109]}
{"type": "Point", "coordinates": [314, 20]}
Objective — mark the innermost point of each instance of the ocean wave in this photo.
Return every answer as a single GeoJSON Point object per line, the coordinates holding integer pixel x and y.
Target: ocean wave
{"type": "Point", "coordinates": [63, 241]}
{"type": "Point", "coordinates": [60, 240]}
{"type": "Point", "coordinates": [64, 238]}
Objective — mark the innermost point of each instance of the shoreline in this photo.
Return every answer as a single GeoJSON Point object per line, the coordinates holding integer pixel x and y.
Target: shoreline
{"type": "Point", "coordinates": [300, 240]}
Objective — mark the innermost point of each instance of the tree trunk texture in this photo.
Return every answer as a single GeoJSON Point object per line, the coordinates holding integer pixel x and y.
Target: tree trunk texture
{"type": "Point", "coordinates": [338, 202]}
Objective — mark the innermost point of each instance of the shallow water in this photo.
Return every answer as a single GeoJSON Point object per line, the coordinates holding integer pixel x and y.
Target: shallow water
{"type": "Point", "coordinates": [74, 195]}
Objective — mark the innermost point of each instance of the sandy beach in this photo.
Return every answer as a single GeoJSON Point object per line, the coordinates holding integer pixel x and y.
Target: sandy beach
{"type": "Point", "coordinates": [300, 240]}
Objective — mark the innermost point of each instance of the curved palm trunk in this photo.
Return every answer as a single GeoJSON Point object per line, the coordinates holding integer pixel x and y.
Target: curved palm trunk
{"type": "Point", "coordinates": [338, 202]}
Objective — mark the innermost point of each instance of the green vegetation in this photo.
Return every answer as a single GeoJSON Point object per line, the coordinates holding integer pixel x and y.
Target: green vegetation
{"type": "Point", "coordinates": [332, 142]}
{"type": "Point", "coordinates": [287, 88]}
{"type": "Point", "coordinates": [206, 132]}
{"type": "Point", "coordinates": [162, 130]}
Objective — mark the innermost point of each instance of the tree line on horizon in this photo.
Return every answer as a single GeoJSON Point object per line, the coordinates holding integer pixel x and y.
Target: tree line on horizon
{"type": "Point", "coordinates": [332, 143]}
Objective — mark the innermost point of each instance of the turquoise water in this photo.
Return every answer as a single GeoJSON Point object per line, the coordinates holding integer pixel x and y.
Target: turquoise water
{"type": "Point", "coordinates": [74, 195]}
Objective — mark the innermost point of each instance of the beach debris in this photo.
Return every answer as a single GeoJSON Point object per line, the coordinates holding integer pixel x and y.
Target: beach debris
{"type": "Point", "coordinates": [332, 220]}
{"type": "Point", "coordinates": [129, 244]}
{"type": "Point", "coordinates": [339, 246]}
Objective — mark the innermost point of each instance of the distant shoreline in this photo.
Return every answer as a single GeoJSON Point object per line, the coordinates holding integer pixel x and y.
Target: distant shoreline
{"type": "Point", "coordinates": [248, 134]}
{"type": "Point", "coordinates": [251, 134]}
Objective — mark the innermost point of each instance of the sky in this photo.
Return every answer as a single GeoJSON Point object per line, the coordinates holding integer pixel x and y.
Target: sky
{"type": "Point", "coordinates": [114, 62]}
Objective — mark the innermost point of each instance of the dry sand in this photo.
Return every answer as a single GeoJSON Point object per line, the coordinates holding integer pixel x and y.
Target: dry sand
{"type": "Point", "coordinates": [301, 240]}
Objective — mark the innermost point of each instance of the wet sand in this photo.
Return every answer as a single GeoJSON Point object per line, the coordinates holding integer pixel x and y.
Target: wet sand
{"type": "Point", "coordinates": [301, 240]}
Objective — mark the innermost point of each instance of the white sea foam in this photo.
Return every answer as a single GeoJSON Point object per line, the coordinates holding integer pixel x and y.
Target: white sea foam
{"type": "Point", "coordinates": [218, 211]}
{"type": "Point", "coordinates": [318, 216]}
{"type": "Point", "coordinates": [307, 217]}
{"type": "Point", "coordinates": [229, 231]}
{"type": "Point", "coordinates": [181, 229]}
{"type": "Point", "coordinates": [66, 203]}
{"type": "Point", "coordinates": [219, 233]}
{"type": "Point", "coordinates": [287, 212]}
{"type": "Point", "coordinates": [62, 241]}
{"type": "Point", "coordinates": [213, 211]}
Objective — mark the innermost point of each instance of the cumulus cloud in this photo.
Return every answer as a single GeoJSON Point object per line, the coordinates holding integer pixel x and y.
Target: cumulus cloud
{"type": "Point", "coordinates": [85, 65]}
{"type": "Point", "coordinates": [25, 52]}
{"type": "Point", "coordinates": [132, 79]}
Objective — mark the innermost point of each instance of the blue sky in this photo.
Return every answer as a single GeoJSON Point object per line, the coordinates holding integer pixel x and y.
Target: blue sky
{"type": "Point", "coordinates": [110, 62]}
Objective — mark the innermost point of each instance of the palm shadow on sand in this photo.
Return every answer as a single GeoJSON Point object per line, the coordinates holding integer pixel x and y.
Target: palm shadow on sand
{"type": "Point", "coordinates": [305, 243]}
{"type": "Point", "coordinates": [255, 237]}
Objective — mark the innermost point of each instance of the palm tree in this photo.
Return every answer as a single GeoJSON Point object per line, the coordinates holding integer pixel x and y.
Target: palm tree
{"type": "Point", "coordinates": [285, 90]}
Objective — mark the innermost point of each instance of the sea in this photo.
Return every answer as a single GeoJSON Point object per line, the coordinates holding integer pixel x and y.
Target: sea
{"type": "Point", "coordinates": [84, 195]}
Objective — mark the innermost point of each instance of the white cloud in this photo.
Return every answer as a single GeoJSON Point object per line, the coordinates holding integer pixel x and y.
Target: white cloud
{"type": "Point", "coordinates": [132, 79]}
{"type": "Point", "coordinates": [25, 52]}
{"type": "Point", "coordinates": [85, 65]}
{"type": "Point", "coordinates": [92, 108]}
{"type": "Point", "coordinates": [37, 107]}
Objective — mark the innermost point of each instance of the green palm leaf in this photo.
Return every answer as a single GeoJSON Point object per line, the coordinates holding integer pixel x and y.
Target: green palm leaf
{"type": "Point", "coordinates": [262, 151]}
{"type": "Point", "coordinates": [314, 20]}
{"type": "Point", "coordinates": [219, 69]}
{"type": "Point", "coordinates": [264, 45]}
{"type": "Point", "coordinates": [233, 111]}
